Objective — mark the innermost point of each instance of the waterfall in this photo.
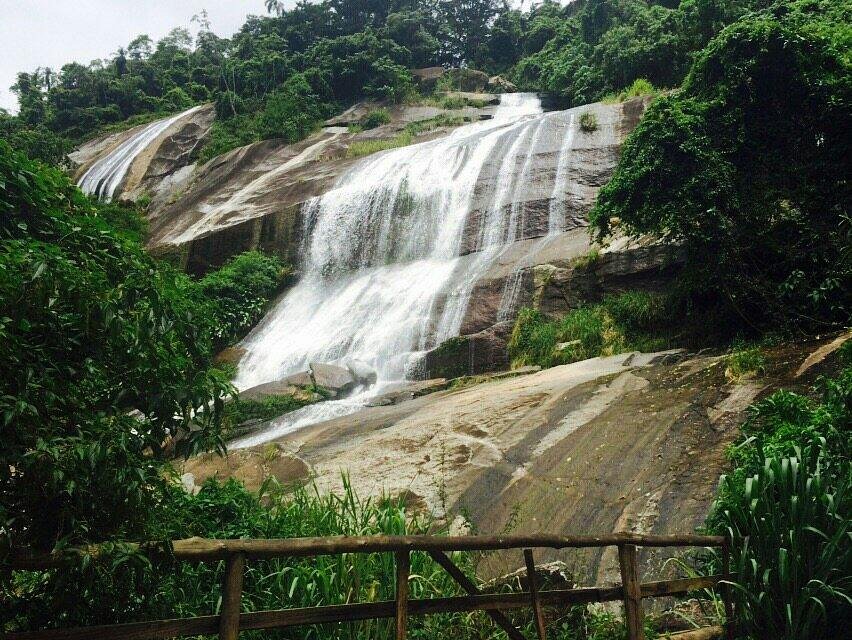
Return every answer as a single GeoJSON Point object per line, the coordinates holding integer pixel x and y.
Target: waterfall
{"type": "Point", "coordinates": [105, 176]}
{"type": "Point", "coordinates": [383, 276]}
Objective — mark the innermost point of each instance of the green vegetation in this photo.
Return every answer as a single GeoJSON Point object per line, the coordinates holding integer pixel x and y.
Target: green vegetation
{"type": "Point", "coordinates": [753, 186]}
{"type": "Point", "coordinates": [239, 292]}
{"type": "Point", "coordinates": [124, 587]}
{"type": "Point", "coordinates": [90, 329]}
{"type": "Point", "coordinates": [239, 411]}
{"type": "Point", "coordinates": [106, 361]}
{"type": "Point", "coordinates": [361, 148]}
{"type": "Point", "coordinates": [376, 118]}
{"type": "Point", "coordinates": [640, 87]}
{"type": "Point", "coordinates": [745, 361]}
{"type": "Point", "coordinates": [588, 122]}
{"type": "Point", "coordinates": [627, 322]}
{"type": "Point", "coordinates": [787, 508]}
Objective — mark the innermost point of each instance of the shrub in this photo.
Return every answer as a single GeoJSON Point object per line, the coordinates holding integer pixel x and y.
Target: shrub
{"type": "Point", "coordinates": [632, 320]}
{"type": "Point", "coordinates": [237, 294]}
{"type": "Point", "coordinates": [376, 118]}
{"type": "Point", "coordinates": [786, 507]}
{"type": "Point", "coordinates": [588, 122]}
{"type": "Point", "coordinates": [745, 361]}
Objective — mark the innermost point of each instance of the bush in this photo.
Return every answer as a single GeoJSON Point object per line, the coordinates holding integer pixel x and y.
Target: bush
{"type": "Point", "coordinates": [588, 122]}
{"type": "Point", "coordinates": [104, 360]}
{"type": "Point", "coordinates": [238, 293]}
{"type": "Point", "coordinates": [376, 118]}
{"type": "Point", "coordinates": [629, 321]}
{"type": "Point", "coordinates": [786, 507]}
{"type": "Point", "coordinates": [749, 184]}
{"type": "Point", "coordinates": [292, 112]}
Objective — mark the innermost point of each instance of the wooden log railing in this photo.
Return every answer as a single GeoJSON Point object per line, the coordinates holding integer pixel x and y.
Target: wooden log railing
{"type": "Point", "coordinates": [236, 553]}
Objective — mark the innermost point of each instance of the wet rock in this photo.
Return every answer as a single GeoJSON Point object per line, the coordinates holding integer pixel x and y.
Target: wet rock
{"type": "Point", "coordinates": [469, 355]}
{"type": "Point", "coordinates": [363, 373]}
{"type": "Point", "coordinates": [499, 84]}
{"type": "Point", "coordinates": [408, 391]}
{"type": "Point", "coordinates": [231, 355]}
{"type": "Point", "coordinates": [338, 380]}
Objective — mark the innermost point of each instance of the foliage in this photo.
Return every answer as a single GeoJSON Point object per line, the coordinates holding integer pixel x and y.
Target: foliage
{"type": "Point", "coordinates": [745, 361]}
{"type": "Point", "coordinates": [239, 411]}
{"type": "Point", "coordinates": [238, 293]}
{"type": "Point", "coordinates": [91, 328]}
{"type": "Point", "coordinates": [747, 167]}
{"type": "Point", "coordinates": [588, 122]}
{"type": "Point", "coordinates": [376, 118]}
{"type": "Point", "coordinates": [786, 507]}
{"type": "Point", "coordinates": [630, 321]}
{"type": "Point", "coordinates": [134, 589]}
{"type": "Point", "coordinates": [360, 148]}
{"type": "Point", "coordinates": [640, 87]}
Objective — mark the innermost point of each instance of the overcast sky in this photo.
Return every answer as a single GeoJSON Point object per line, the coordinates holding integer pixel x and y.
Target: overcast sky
{"type": "Point", "coordinates": [51, 33]}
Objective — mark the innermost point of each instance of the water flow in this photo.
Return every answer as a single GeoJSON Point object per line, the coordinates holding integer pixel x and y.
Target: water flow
{"type": "Point", "coordinates": [383, 279]}
{"type": "Point", "coordinates": [105, 176]}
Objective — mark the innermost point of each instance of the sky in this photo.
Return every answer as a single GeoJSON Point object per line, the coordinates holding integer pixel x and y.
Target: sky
{"type": "Point", "coordinates": [51, 33]}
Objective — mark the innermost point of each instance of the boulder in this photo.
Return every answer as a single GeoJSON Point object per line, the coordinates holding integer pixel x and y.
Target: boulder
{"type": "Point", "coordinates": [427, 79]}
{"type": "Point", "coordinates": [499, 84]}
{"type": "Point", "coordinates": [467, 79]}
{"type": "Point", "coordinates": [469, 355]}
{"type": "Point", "coordinates": [338, 380]}
{"type": "Point", "coordinates": [363, 373]}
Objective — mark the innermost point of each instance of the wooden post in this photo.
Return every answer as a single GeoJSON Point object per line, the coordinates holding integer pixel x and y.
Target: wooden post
{"type": "Point", "coordinates": [403, 566]}
{"type": "Point", "coordinates": [726, 590]}
{"type": "Point", "coordinates": [632, 586]}
{"type": "Point", "coordinates": [497, 616]}
{"type": "Point", "coordinates": [232, 590]}
{"type": "Point", "coordinates": [536, 603]}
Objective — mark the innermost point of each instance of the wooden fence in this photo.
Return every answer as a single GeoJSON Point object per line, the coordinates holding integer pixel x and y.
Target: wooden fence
{"type": "Point", "coordinates": [235, 554]}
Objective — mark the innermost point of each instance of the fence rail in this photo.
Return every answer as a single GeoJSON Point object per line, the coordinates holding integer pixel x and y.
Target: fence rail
{"type": "Point", "coordinates": [235, 553]}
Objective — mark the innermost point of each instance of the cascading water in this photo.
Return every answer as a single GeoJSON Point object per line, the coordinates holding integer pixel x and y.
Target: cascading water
{"type": "Point", "coordinates": [382, 277]}
{"type": "Point", "coordinates": [105, 176]}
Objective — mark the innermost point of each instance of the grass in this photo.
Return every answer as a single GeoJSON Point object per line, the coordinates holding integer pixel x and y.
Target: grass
{"type": "Point", "coordinates": [361, 148]}
{"type": "Point", "coordinates": [588, 122]}
{"type": "Point", "coordinates": [132, 589]}
{"type": "Point", "coordinates": [376, 118]}
{"type": "Point", "coordinates": [630, 321]}
{"type": "Point", "coordinates": [744, 362]}
{"type": "Point", "coordinates": [640, 87]}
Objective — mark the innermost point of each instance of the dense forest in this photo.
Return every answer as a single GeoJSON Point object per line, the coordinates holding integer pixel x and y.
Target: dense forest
{"type": "Point", "coordinates": [281, 74]}
{"type": "Point", "coordinates": [108, 374]}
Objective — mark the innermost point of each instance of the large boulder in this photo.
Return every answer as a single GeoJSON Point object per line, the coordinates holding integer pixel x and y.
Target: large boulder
{"type": "Point", "coordinates": [467, 80]}
{"type": "Point", "coordinates": [469, 355]}
{"type": "Point", "coordinates": [499, 84]}
{"type": "Point", "coordinates": [363, 373]}
{"type": "Point", "coordinates": [427, 79]}
{"type": "Point", "coordinates": [337, 380]}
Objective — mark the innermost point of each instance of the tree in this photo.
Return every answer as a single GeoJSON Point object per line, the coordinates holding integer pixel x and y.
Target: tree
{"type": "Point", "coordinates": [747, 166]}
{"type": "Point", "coordinates": [468, 23]}
{"type": "Point", "coordinates": [104, 368]}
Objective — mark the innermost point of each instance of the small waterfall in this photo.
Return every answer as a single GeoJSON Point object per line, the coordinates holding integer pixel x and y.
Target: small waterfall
{"type": "Point", "coordinates": [105, 176]}
{"type": "Point", "coordinates": [383, 277]}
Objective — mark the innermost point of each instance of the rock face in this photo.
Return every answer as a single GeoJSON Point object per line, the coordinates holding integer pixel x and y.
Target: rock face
{"type": "Point", "coordinates": [634, 442]}
{"type": "Point", "coordinates": [163, 166]}
{"type": "Point", "coordinates": [499, 84]}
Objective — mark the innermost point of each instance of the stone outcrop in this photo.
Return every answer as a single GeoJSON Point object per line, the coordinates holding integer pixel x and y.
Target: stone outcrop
{"type": "Point", "coordinates": [634, 442]}
{"type": "Point", "coordinates": [499, 84]}
{"type": "Point", "coordinates": [337, 380]}
{"type": "Point", "coordinates": [163, 167]}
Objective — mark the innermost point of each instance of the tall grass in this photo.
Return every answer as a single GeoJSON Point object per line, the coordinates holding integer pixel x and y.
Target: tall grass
{"type": "Point", "coordinates": [124, 587]}
{"type": "Point", "coordinates": [786, 507]}
{"type": "Point", "coordinates": [630, 321]}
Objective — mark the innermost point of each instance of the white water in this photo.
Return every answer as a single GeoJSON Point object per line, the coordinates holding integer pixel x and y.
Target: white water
{"type": "Point", "coordinates": [105, 176]}
{"type": "Point", "coordinates": [382, 280]}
